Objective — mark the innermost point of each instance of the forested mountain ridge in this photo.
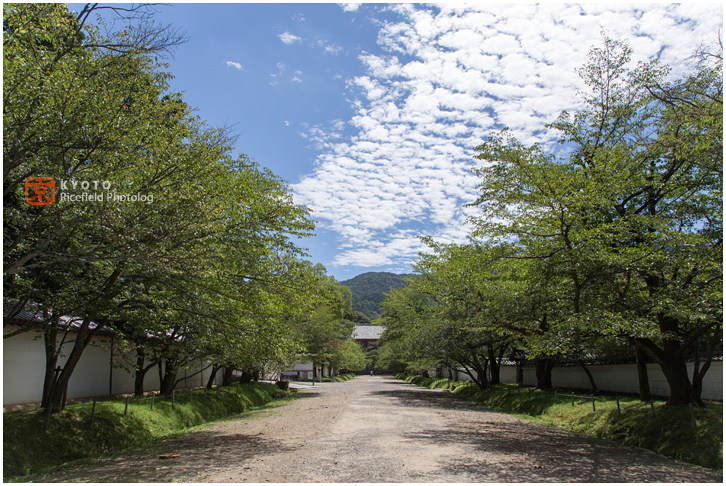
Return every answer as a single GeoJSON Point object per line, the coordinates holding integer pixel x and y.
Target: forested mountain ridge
{"type": "Point", "coordinates": [369, 290]}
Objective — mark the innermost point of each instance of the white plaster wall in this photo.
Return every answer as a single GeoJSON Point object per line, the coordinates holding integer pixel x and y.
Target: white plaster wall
{"type": "Point", "coordinates": [620, 378]}
{"type": "Point", "coordinates": [188, 379]}
{"type": "Point", "coordinates": [91, 376]}
{"type": "Point", "coordinates": [508, 374]}
{"type": "Point", "coordinates": [24, 370]}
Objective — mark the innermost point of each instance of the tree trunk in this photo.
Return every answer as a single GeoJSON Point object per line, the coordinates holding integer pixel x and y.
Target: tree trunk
{"type": "Point", "coordinates": [543, 369]}
{"type": "Point", "coordinates": [140, 370]}
{"type": "Point", "coordinates": [140, 373]}
{"type": "Point", "coordinates": [51, 360]}
{"type": "Point", "coordinates": [168, 383]}
{"type": "Point", "coordinates": [246, 377]}
{"type": "Point", "coordinates": [480, 367]}
{"type": "Point", "coordinates": [589, 377]}
{"type": "Point", "coordinates": [227, 377]}
{"type": "Point", "coordinates": [673, 365]}
{"type": "Point", "coordinates": [479, 376]}
{"type": "Point", "coordinates": [676, 374]}
{"type": "Point", "coordinates": [494, 365]}
{"type": "Point", "coordinates": [212, 376]}
{"type": "Point", "coordinates": [84, 335]}
{"type": "Point", "coordinates": [642, 366]}
{"type": "Point", "coordinates": [698, 371]}
{"type": "Point", "coordinates": [519, 372]}
{"type": "Point", "coordinates": [474, 375]}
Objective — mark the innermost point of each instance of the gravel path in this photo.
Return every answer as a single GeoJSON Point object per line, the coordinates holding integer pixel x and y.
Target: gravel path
{"type": "Point", "coordinates": [378, 429]}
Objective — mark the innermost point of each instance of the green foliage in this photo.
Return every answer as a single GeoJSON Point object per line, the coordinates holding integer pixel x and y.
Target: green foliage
{"type": "Point", "coordinates": [385, 357]}
{"type": "Point", "coordinates": [356, 317]}
{"type": "Point", "coordinates": [465, 308]}
{"type": "Point", "coordinates": [611, 238]}
{"type": "Point", "coordinates": [27, 449]}
{"type": "Point", "coordinates": [349, 357]}
{"type": "Point", "coordinates": [321, 328]}
{"type": "Point", "coordinates": [208, 268]}
{"type": "Point", "coordinates": [624, 222]}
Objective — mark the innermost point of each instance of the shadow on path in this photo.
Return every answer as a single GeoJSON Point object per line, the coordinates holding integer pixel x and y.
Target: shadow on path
{"type": "Point", "coordinates": [500, 448]}
{"type": "Point", "coordinates": [522, 452]}
{"type": "Point", "coordinates": [200, 452]}
{"type": "Point", "coordinates": [423, 397]}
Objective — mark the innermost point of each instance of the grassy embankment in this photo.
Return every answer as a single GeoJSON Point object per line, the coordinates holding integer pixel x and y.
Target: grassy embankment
{"type": "Point", "coordinates": [670, 432]}
{"type": "Point", "coordinates": [27, 449]}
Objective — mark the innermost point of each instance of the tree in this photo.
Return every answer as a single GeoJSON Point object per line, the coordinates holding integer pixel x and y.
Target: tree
{"type": "Point", "coordinates": [349, 357]}
{"type": "Point", "coordinates": [408, 336]}
{"type": "Point", "coordinates": [321, 328]}
{"type": "Point", "coordinates": [206, 255]}
{"type": "Point", "coordinates": [357, 317]}
{"type": "Point", "coordinates": [630, 216]}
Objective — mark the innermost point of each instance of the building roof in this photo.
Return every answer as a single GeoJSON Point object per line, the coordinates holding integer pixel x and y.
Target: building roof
{"type": "Point", "coordinates": [367, 332]}
{"type": "Point", "coordinates": [33, 314]}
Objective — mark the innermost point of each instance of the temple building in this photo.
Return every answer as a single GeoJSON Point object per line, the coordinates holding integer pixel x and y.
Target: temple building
{"type": "Point", "coordinates": [367, 336]}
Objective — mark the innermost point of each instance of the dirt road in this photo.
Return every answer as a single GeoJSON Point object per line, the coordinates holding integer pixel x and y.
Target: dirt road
{"type": "Point", "coordinates": [378, 429]}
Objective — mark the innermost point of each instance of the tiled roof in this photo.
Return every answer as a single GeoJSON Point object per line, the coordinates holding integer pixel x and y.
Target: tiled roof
{"type": "Point", "coordinates": [368, 332]}
{"type": "Point", "coordinates": [25, 314]}
{"type": "Point", "coordinates": [31, 314]}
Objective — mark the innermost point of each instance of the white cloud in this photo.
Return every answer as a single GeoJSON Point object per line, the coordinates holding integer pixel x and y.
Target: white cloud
{"type": "Point", "coordinates": [333, 49]}
{"type": "Point", "coordinates": [288, 38]}
{"type": "Point", "coordinates": [233, 64]}
{"type": "Point", "coordinates": [328, 48]}
{"type": "Point", "coordinates": [350, 7]}
{"type": "Point", "coordinates": [445, 79]}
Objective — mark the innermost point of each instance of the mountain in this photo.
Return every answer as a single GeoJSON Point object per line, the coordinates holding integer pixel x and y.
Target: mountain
{"type": "Point", "coordinates": [369, 290]}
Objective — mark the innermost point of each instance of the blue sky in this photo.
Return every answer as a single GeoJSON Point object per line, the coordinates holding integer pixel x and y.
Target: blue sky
{"type": "Point", "coordinates": [371, 112]}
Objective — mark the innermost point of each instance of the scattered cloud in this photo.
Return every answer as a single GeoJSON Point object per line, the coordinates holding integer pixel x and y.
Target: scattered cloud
{"type": "Point", "coordinates": [276, 77]}
{"type": "Point", "coordinates": [288, 38]}
{"type": "Point", "coordinates": [298, 17]}
{"type": "Point", "coordinates": [350, 7]}
{"type": "Point", "coordinates": [233, 64]}
{"type": "Point", "coordinates": [296, 77]}
{"type": "Point", "coordinates": [444, 79]}
{"type": "Point", "coordinates": [332, 49]}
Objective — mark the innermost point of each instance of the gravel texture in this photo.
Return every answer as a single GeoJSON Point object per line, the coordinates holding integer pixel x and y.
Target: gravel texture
{"type": "Point", "coordinates": [376, 429]}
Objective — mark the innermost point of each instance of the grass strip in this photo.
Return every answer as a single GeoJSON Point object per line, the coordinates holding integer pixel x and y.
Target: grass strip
{"type": "Point", "coordinates": [670, 432]}
{"type": "Point", "coordinates": [27, 449]}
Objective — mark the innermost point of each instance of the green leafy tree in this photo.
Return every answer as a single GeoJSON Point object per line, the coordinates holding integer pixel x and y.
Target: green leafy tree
{"type": "Point", "coordinates": [209, 257]}
{"type": "Point", "coordinates": [349, 357]}
{"type": "Point", "coordinates": [321, 328]}
{"type": "Point", "coordinates": [628, 214]}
